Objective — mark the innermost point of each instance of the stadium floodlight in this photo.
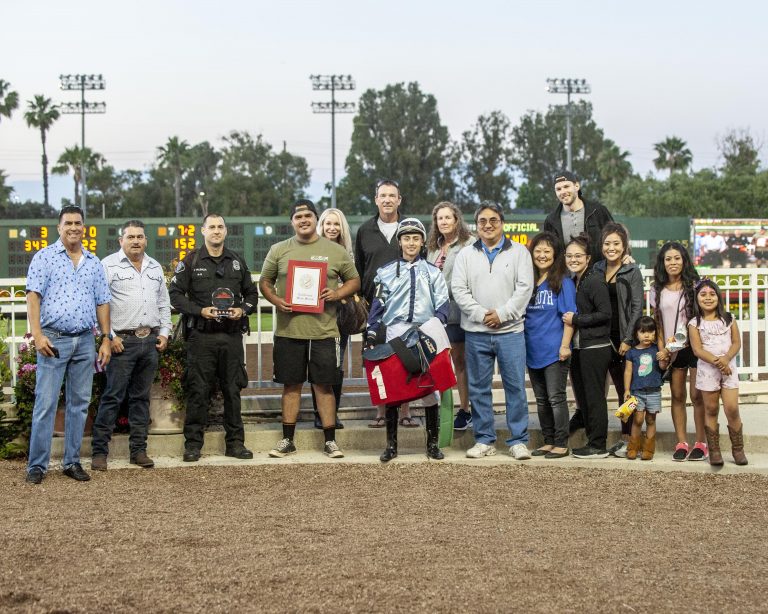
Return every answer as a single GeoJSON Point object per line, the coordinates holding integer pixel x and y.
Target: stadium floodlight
{"type": "Point", "coordinates": [568, 87]}
{"type": "Point", "coordinates": [82, 83]}
{"type": "Point", "coordinates": [76, 108]}
{"type": "Point", "coordinates": [332, 83]}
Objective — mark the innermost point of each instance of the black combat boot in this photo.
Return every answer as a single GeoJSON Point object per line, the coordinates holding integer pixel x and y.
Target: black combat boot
{"type": "Point", "coordinates": [433, 432]}
{"type": "Point", "coordinates": [393, 413]}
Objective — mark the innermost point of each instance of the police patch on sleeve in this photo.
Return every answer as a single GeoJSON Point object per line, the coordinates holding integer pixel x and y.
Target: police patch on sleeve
{"type": "Point", "coordinates": [179, 267]}
{"type": "Point", "coordinates": [235, 265]}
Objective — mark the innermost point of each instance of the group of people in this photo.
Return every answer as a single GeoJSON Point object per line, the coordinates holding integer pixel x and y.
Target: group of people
{"type": "Point", "coordinates": [570, 303]}
{"type": "Point", "coordinates": [69, 293]}
{"type": "Point", "coordinates": [739, 249]}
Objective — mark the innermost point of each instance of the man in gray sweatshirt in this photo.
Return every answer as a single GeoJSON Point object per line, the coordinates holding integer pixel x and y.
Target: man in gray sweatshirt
{"type": "Point", "coordinates": [492, 283]}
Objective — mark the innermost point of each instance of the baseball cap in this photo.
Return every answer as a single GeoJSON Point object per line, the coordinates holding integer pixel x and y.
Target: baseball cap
{"type": "Point", "coordinates": [566, 176]}
{"type": "Point", "coordinates": [303, 205]}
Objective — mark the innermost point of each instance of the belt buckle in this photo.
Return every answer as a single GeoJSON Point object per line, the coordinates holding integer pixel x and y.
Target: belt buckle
{"type": "Point", "coordinates": [142, 331]}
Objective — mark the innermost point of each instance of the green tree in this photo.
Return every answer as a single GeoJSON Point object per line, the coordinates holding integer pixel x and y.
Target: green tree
{"type": "Point", "coordinates": [30, 210]}
{"type": "Point", "coordinates": [612, 164]}
{"type": "Point", "coordinates": [41, 113]}
{"type": "Point", "coordinates": [253, 180]}
{"type": "Point", "coordinates": [9, 100]}
{"type": "Point", "coordinates": [539, 148]}
{"type": "Point", "coordinates": [397, 135]}
{"type": "Point", "coordinates": [173, 156]}
{"type": "Point", "coordinates": [202, 165]}
{"type": "Point", "coordinates": [106, 191]}
{"type": "Point", "coordinates": [672, 154]}
{"type": "Point", "coordinates": [73, 160]}
{"type": "Point", "coordinates": [485, 161]}
{"type": "Point", "coordinates": [740, 153]}
{"type": "Point", "coordinates": [700, 194]}
{"type": "Point", "coordinates": [143, 194]}
{"type": "Point", "coordinates": [5, 194]}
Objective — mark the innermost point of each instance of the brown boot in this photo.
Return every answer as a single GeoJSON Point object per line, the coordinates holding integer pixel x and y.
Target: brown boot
{"type": "Point", "coordinates": [633, 447]}
{"type": "Point", "coordinates": [99, 462]}
{"type": "Point", "coordinates": [649, 449]}
{"type": "Point", "coordinates": [713, 442]}
{"type": "Point", "coordinates": [737, 445]}
{"type": "Point", "coordinates": [142, 460]}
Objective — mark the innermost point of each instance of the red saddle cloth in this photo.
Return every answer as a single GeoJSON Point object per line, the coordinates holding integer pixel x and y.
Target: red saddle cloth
{"type": "Point", "coordinates": [388, 380]}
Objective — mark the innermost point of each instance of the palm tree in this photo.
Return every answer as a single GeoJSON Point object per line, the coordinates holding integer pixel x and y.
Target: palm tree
{"type": "Point", "coordinates": [673, 154]}
{"type": "Point", "coordinates": [41, 113]}
{"type": "Point", "coordinates": [612, 164]}
{"type": "Point", "coordinates": [74, 159]}
{"type": "Point", "coordinates": [9, 101]}
{"type": "Point", "coordinates": [174, 157]}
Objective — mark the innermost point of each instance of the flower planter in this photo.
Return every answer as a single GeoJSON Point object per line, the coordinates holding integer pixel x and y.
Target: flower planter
{"type": "Point", "coordinates": [59, 423]}
{"type": "Point", "coordinates": [163, 419]}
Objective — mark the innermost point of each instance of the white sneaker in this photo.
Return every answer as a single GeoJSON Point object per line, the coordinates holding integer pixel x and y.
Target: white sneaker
{"type": "Point", "coordinates": [331, 449]}
{"type": "Point", "coordinates": [619, 449]}
{"type": "Point", "coordinates": [481, 449]}
{"type": "Point", "coordinates": [520, 451]}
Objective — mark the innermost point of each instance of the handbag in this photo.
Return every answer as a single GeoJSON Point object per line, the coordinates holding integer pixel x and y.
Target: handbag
{"type": "Point", "coordinates": [682, 343]}
{"type": "Point", "coordinates": [352, 315]}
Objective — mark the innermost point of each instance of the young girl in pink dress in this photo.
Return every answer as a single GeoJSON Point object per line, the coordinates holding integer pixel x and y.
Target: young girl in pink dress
{"type": "Point", "coordinates": [716, 341]}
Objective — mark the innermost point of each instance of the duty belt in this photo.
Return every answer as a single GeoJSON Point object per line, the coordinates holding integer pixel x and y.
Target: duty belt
{"type": "Point", "coordinates": [226, 326]}
{"type": "Point", "coordinates": [139, 333]}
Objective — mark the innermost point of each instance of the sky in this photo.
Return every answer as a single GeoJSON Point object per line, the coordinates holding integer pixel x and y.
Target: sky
{"type": "Point", "coordinates": [198, 70]}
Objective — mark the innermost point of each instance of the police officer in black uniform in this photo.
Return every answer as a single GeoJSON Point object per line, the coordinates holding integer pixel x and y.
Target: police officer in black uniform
{"type": "Point", "coordinates": [214, 336]}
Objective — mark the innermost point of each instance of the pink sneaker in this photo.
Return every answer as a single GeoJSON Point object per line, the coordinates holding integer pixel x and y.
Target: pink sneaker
{"type": "Point", "coordinates": [681, 452]}
{"type": "Point", "coordinates": [700, 452]}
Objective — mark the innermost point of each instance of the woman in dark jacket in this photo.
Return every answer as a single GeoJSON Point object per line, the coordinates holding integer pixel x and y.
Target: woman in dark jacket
{"type": "Point", "coordinates": [625, 290]}
{"type": "Point", "coordinates": [591, 346]}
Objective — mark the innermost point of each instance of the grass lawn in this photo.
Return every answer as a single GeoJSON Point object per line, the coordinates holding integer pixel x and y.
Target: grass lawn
{"type": "Point", "coordinates": [20, 327]}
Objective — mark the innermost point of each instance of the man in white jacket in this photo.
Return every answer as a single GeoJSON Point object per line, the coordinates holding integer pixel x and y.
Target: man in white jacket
{"type": "Point", "coordinates": [492, 283]}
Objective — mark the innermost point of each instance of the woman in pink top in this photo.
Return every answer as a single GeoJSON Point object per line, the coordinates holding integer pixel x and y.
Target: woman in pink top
{"type": "Point", "coordinates": [673, 305]}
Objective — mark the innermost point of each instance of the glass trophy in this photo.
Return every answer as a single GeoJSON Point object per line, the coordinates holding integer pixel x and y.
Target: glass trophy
{"type": "Point", "coordinates": [222, 300]}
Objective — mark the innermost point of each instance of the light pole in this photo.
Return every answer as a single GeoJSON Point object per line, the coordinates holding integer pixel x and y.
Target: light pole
{"type": "Point", "coordinates": [333, 83]}
{"type": "Point", "coordinates": [82, 83]}
{"type": "Point", "coordinates": [568, 87]}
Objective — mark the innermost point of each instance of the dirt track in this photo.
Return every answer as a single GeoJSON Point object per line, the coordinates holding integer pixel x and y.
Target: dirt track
{"type": "Point", "coordinates": [362, 538]}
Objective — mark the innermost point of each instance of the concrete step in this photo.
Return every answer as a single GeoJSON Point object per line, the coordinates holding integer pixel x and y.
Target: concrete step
{"type": "Point", "coordinates": [263, 404]}
{"type": "Point", "coordinates": [357, 437]}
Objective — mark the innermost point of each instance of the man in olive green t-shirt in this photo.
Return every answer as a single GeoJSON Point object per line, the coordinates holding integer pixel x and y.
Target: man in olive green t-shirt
{"type": "Point", "coordinates": [306, 345]}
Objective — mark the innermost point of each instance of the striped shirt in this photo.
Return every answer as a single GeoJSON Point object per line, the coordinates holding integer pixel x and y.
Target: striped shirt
{"type": "Point", "coordinates": [138, 298]}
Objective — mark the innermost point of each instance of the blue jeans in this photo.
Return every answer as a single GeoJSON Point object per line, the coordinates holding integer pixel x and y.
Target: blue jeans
{"type": "Point", "coordinates": [481, 351]}
{"type": "Point", "coordinates": [129, 374]}
{"type": "Point", "coordinates": [77, 356]}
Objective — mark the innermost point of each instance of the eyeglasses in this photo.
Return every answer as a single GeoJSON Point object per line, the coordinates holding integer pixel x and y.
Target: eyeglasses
{"type": "Point", "coordinates": [494, 221]}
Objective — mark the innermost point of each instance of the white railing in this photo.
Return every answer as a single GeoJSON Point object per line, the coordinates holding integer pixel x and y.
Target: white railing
{"type": "Point", "coordinates": [13, 308]}
{"type": "Point", "coordinates": [746, 294]}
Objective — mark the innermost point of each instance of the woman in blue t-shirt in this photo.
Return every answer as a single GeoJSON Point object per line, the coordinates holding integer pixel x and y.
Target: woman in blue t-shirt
{"type": "Point", "coordinates": [548, 342]}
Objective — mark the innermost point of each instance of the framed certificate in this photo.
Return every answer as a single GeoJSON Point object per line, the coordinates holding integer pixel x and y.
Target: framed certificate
{"type": "Point", "coordinates": [306, 280]}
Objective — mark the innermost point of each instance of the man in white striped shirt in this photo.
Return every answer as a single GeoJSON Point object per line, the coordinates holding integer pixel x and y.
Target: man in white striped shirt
{"type": "Point", "coordinates": [140, 313]}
